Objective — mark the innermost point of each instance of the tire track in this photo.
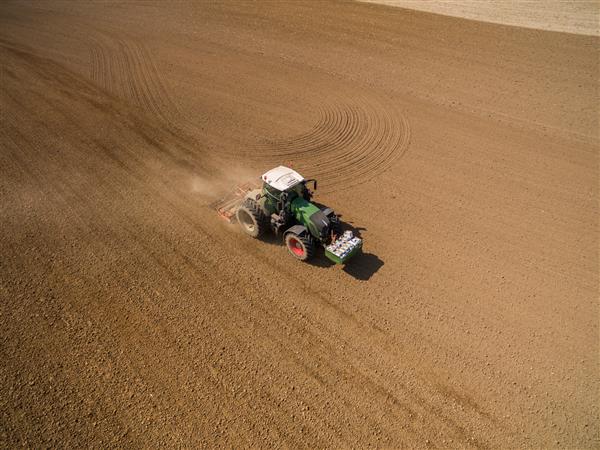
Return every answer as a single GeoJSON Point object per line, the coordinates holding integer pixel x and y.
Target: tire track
{"type": "Point", "coordinates": [127, 69]}
{"type": "Point", "coordinates": [351, 143]}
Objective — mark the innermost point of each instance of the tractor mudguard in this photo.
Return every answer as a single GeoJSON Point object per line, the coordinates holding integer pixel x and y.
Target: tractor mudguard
{"type": "Point", "coordinates": [296, 229]}
{"type": "Point", "coordinates": [327, 211]}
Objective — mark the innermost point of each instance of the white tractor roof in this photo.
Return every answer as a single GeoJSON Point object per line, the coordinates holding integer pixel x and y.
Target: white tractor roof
{"type": "Point", "coordinates": [282, 178]}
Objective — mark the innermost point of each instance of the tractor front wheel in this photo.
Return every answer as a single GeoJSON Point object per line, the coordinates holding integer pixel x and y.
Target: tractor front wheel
{"type": "Point", "coordinates": [301, 247]}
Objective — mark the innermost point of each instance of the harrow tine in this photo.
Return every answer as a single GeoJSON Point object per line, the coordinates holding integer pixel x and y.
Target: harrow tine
{"type": "Point", "coordinates": [227, 205]}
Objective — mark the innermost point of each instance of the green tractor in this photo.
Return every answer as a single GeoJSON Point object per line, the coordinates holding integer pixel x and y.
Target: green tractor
{"type": "Point", "coordinates": [283, 206]}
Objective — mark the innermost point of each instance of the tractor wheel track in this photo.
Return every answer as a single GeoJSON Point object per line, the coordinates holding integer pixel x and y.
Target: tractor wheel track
{"type": "Point", "coordinates": [127, 69]}
{"type": "Point", "coordinates": [350, 144]}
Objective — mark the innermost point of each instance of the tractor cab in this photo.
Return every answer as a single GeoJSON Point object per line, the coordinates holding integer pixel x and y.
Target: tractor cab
{"type": "Point", "coordinates": [282, 185]}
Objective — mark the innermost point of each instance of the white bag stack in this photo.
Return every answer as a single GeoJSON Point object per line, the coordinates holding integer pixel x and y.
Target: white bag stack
{"type": "Point", "coordinates": [344, 245]}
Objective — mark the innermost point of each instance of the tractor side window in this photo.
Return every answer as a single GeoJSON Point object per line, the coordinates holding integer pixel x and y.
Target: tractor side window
{"type": "Point", "coordinates": [274, 193]}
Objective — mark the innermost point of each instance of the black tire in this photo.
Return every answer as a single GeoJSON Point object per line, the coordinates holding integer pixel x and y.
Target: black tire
{"type": "Point", "coordinates": [300, 247]}
{"type": "Point", "coordinates": [251, 219]}
{"type": "Point", "coordinates": [335, 225]}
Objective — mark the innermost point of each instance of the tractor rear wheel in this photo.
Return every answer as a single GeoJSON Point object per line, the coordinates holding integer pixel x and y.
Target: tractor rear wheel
{"type": "Point", "coordinates": [251, 219]}
{"type": "Point", "coordinates": [301, 247]}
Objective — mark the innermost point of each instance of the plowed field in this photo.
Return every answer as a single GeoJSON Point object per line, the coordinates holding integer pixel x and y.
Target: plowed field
{"type": "Point", "coordinates": [465, 155]}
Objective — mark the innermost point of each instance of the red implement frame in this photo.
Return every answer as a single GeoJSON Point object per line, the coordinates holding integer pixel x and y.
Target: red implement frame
{"type": "Point", "coordinates": [227, 206]}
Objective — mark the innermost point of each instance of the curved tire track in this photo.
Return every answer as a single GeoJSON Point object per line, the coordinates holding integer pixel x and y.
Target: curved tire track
{"type": "Point", "coordinates": [352, 142]}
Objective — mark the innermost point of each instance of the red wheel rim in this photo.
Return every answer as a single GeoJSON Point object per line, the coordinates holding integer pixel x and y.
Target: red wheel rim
{"type": "Point", "coordinates": [296, 247]}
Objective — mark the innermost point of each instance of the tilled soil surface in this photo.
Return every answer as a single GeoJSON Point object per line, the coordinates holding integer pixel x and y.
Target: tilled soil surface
{"type": "Point", "coordinates": [465, 155]}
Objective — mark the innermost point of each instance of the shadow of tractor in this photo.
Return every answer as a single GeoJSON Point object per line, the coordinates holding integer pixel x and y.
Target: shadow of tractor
{"type": "Point", "coordinates": [362, 266]}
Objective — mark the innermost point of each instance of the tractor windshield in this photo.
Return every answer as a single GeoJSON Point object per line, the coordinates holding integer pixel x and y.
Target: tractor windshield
{"type": "Point", "coordinates": [299, 189]}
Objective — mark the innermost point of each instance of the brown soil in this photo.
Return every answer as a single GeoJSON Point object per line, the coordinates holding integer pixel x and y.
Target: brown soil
{"type": "Point", "coordinates": [465, 154]}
